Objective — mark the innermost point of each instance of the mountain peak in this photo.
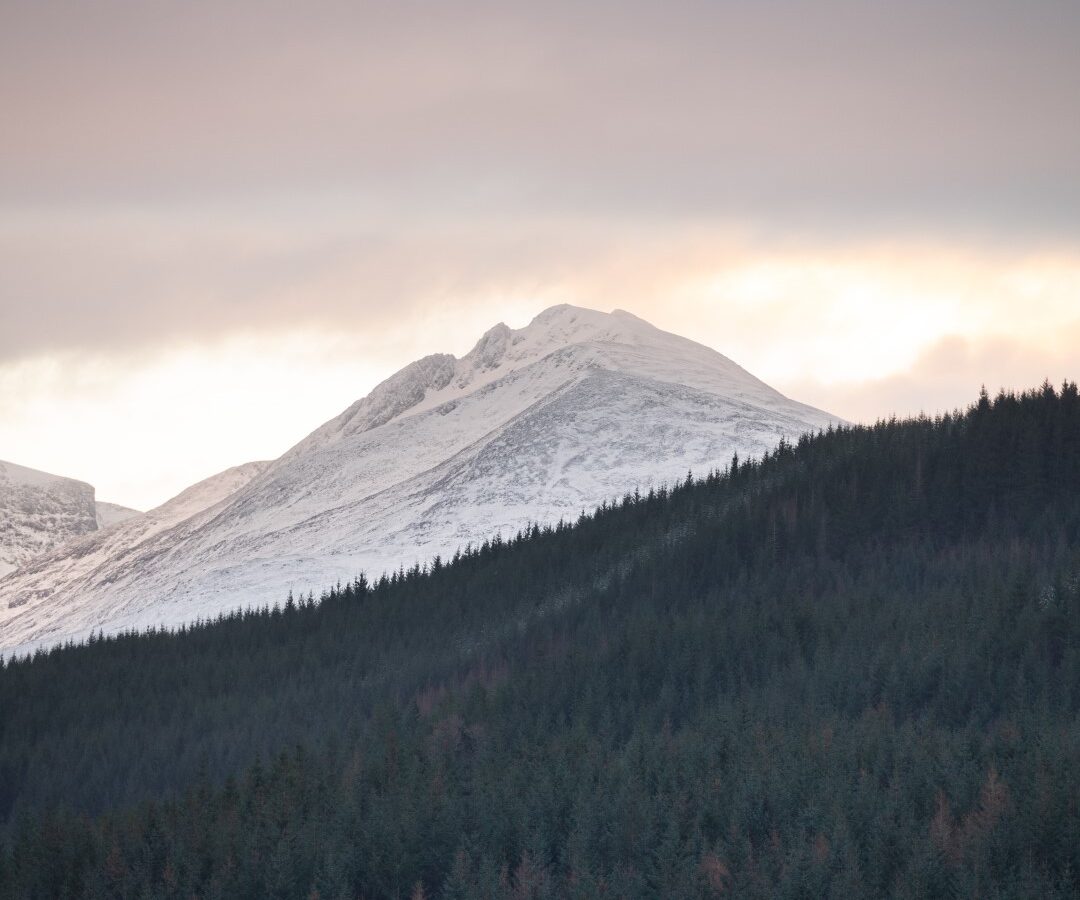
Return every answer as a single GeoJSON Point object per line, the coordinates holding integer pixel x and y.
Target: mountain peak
{"type": "Point", "coordinates": [490, 350]}
{"type": "Point", "coordinates": [556, 327]}
{"type": "Point", "coordinates": [605, 339]}
{"type": "Point", "coordinates": [569, 324]}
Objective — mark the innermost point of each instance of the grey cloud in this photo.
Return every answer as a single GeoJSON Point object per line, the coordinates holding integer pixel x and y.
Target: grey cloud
{"type": "Point", "coordinates": [177, 169]}
{"type": "Point", "coordinates": [815, 110]}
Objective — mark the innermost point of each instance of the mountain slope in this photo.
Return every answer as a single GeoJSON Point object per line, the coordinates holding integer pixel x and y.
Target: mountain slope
{"type": "Point", "coordinates": [39, 511]}
{"type": "Point", "coordinates": [533, 425]}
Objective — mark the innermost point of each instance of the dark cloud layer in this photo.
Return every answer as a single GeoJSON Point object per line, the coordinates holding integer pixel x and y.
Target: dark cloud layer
{"type": "Point", "coordinates": [175, 168]}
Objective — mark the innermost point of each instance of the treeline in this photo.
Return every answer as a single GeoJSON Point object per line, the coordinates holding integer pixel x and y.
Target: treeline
{"type": "Point", "coordinates": [849, 669]}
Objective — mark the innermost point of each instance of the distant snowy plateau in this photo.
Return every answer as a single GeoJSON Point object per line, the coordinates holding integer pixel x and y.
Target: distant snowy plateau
{"type": "Point", "coordinates": [533, 425]}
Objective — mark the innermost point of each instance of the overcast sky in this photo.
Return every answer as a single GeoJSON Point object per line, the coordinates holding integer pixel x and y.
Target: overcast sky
{"type": "Point", "coordinates": [221, 223]}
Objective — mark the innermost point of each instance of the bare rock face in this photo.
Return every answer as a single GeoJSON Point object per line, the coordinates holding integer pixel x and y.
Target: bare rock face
{"type": "Point", "coordinates": [532, 426]}
{"type": "Point", "coordinates": [38, 512]}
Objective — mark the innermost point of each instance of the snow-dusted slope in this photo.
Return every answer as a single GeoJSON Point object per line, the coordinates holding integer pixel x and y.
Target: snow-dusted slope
{"type": "Point", "coordinates": [532, 425]}
{"type": "Point", "coordinates": [39, 511]}
{"type": "Point", "coordinates": [112, 513]}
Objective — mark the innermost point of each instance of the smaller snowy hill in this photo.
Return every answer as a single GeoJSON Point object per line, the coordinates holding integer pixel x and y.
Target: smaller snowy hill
{"type": "Point", "coordinates": [70, 567]}
{"type": "Point", "coordinates": [38, 512]}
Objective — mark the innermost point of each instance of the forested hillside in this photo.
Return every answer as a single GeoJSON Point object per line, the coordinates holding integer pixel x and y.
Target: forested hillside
{"type": "Point", "coordinates": [851, 669]}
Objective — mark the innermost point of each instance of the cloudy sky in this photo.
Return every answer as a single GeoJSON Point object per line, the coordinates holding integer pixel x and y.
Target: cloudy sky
{"type": "Point", "coordinates": [221, 223]}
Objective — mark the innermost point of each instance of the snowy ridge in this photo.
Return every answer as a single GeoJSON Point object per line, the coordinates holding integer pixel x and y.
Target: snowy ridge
{"type": "Point", "coordinates": [532, 425]}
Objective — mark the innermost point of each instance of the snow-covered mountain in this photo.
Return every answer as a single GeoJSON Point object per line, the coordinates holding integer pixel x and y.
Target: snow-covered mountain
{"type": "Point", "coordinates": [532, 425]}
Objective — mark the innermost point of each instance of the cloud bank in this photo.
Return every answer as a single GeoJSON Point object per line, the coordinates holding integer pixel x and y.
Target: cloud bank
{"type": "Point", "coordinates": [177, 169]}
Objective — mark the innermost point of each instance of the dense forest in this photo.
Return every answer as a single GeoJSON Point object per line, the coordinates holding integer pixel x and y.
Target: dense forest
{"type": "Point", "coordinates": [849, 669]}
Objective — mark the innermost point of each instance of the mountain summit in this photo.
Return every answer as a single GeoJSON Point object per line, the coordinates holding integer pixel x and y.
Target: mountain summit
{"type": "Point", "coordinates": [533, 425]}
